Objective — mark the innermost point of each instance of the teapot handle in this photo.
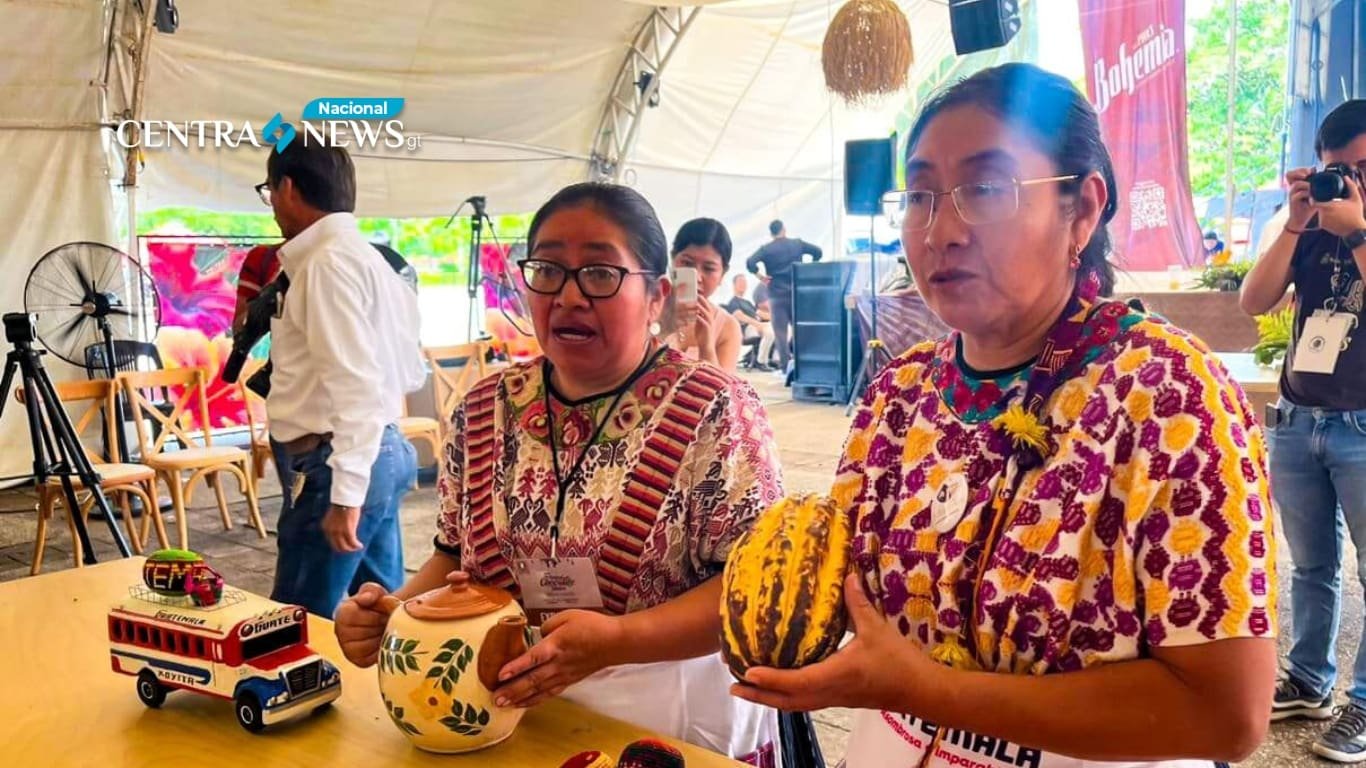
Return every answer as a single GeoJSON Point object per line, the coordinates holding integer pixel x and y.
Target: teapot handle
{"type": "Point", "coordinates": [504, 642]}
{"type": "Point", "coordinates": [388, 604]}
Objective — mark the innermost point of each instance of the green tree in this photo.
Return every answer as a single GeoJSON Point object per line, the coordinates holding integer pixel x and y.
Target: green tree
{"type": "Point", "coordinates": [440, 253]}
{"type": "Point", "coordinates": [1263, 61]}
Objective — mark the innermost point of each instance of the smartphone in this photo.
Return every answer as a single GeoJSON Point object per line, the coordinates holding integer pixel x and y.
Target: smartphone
{"type": "Point", "coordinates": [685, 285]}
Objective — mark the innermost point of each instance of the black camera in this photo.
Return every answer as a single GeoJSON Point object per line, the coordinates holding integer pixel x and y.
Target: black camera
{"type": "Point", "coordinates": [20, 327]}
{"type": "Point", "coordinates": [259, 313]}
{"type": "Point", "coordinates": [1331, 183]}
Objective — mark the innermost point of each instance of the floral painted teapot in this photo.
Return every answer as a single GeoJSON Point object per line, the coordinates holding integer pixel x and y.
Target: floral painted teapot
{"type": "Point", "coordinates": [439, 663]}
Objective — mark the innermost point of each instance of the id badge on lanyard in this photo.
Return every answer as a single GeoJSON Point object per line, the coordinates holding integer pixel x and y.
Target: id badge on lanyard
{"type": "Point", "coordinates": [1327, 332]}
{"type": "Point", "coordinates": [550, 585]}
{"type": "Point", "coordinates": [1322, 341]}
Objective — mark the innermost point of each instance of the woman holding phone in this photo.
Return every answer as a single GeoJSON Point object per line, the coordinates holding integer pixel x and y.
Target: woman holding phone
{"type": "Point", "coordinates": [700, 260]}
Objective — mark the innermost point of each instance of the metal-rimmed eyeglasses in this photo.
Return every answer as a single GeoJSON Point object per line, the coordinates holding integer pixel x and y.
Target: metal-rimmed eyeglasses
{"type": "Point", "coordinates": [978, 202]}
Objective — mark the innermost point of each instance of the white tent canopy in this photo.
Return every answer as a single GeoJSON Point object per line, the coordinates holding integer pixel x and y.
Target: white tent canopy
{"type": "Point", "coordinates": [509, 98]}
{"type": "Point", "coordinates": [508, 95]}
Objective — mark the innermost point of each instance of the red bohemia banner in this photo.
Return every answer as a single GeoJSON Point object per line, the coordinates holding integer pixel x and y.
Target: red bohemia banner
{"type": "Point", "coordinates": [1135, 54]}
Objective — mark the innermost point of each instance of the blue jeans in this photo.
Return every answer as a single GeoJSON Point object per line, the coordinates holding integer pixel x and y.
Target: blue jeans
{"type": "Point", "coordinates": [308, 571]}
{"type": "Point", "coordinates": [1318, 464]}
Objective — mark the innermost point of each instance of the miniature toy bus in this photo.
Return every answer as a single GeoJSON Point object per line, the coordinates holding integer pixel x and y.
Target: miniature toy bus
{"type": "Point", "coordinates": [249, 650]}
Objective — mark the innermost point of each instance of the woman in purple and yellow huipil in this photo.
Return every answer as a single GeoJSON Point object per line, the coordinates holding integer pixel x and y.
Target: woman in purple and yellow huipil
{"type": "Point", "coordinates": [1063, 550]}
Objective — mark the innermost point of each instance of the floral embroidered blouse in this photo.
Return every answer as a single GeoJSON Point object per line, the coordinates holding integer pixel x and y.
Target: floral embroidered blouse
{"type": "Point", "coordinates": [1148, 525]}
{"type": "Point", "coordinates": [728, 474]}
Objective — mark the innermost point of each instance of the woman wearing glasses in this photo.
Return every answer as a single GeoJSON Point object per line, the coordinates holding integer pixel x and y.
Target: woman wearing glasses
{"type": "Point", "coordinates": [631, 466]}
{"type": "Point", "coordinates": [1063, 536]}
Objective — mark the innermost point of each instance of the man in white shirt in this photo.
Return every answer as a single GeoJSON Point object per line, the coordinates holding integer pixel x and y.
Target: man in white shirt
{"type": "Point", "coordinates": [345, 350]}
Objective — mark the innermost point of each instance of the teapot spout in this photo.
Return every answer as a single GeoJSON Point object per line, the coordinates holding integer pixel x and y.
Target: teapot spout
{"type": "Point", "coordinates": [504, 642]}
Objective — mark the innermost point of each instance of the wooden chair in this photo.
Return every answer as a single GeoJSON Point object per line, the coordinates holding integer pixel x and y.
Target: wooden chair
{"type": "Point", "coordinates": [450, 383]}
{"type": "Point", "coordinates": [185, 388]}
{"type": "Point", "coordinates": [92, 404]}
{"type": "Point", "coordinates": [257, 426]}
{"type": "Point", "coordinates": [416, 428]}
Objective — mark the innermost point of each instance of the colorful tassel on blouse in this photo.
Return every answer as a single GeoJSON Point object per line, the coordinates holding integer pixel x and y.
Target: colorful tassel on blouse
{"type": "Point", "coordinates": [951, 653]}
{"type": "Point", "coordinates": [1023, 428]}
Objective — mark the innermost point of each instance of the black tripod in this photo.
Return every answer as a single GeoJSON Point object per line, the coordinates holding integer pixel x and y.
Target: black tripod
{"type": "Point", "coordinates": [56, 450]}
{"type": "Point", "coordinates": [877, 355]}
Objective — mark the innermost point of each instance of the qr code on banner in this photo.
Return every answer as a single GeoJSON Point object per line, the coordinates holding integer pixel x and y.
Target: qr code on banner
{"type": "Point", "coordinates": [1148, 206]}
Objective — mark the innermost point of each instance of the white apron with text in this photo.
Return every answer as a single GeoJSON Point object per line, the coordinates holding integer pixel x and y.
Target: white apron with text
{"type": "Point", "coordinates": [887, 740]}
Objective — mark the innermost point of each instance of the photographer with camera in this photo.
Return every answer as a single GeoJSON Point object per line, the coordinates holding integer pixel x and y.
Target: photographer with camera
{"type": "Point", "coordinates": [345, 352]}
{"type": "Point", "coordinates": [1317, 432]}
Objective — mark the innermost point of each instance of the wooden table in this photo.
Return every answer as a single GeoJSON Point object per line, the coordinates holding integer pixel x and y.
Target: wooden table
{"type": "Point", "coordinates": [63, 706]}
{"type": "Point", "coordinates": [1253, 378]}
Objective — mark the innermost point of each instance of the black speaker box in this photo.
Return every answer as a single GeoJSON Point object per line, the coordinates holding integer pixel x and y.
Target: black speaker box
{"type": "Point", "coordinates": [982, 24]}
{"type": "Point", "coordinates": [868, 174]}
{"type": "Point", "coordinates": [824, 341]}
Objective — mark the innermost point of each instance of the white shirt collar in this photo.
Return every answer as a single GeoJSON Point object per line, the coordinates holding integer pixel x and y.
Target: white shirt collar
{"type": "Point", "coordinates": [299, 246]}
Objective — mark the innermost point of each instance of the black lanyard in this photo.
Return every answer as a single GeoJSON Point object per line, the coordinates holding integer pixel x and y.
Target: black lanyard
{"type": "Point", "coordinates": [1338, 292]}
{"type": "Point", "coordinates": [562, 484]}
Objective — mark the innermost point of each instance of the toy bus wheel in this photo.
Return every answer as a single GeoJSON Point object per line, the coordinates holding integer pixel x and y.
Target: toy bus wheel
{"type": "Point", "coordinates": [150, 690]}
{"type": "Point", "coordinates": [248, 709]}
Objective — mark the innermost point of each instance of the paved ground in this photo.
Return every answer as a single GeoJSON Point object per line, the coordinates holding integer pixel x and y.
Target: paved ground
{"type": "Point", "coordinates": [809, 437]}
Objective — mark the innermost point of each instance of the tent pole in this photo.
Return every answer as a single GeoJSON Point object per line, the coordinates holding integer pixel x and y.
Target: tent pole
{"type": "Point", "coordinates": [1230, 189]}
{"type": "Point", "coordinates": [130, 166]}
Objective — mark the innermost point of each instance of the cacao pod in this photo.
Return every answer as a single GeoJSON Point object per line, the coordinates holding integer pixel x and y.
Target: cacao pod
{"type": "Point", "coordinates": [782, 594]}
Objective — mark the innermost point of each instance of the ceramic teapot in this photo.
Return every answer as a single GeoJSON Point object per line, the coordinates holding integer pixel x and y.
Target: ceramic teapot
{"type": "Point", "coordinates": [439, 663]}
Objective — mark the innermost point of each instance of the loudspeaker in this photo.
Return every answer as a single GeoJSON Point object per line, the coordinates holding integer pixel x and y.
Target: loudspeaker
{"type": "Point", "coordinates": [981, 24]}
{"type": "Point", "coordinates": [822, 331]}
{"type": "Point", "coordinates": [868, 174]}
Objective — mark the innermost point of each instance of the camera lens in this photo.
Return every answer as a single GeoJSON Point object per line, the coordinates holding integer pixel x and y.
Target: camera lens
{"type": "Point", "coordinates": [1328, 186]}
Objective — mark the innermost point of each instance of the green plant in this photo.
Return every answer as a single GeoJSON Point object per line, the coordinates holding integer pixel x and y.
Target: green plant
{"type": "Point", "coordinates": [1226, 277]}
{"type": "Point", "coordinates": [1273, 336]}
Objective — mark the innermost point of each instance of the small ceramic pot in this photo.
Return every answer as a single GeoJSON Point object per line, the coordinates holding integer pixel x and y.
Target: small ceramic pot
{"type": "Point", "coordinates": [439, 663]}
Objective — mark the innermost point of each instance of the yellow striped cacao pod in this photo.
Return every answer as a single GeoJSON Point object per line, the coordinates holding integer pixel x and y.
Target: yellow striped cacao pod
{"type": "Point", "coordinates": [782, 595]}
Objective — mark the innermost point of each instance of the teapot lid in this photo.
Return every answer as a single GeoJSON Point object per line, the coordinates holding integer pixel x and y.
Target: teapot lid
{"type": "Point", "coordinates": [459, 599]}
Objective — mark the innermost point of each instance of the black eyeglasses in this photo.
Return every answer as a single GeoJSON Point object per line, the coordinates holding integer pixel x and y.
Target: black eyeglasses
{"type": "Point", "coordinates": [595, 281]}
{"type": "Point", "coordinates": [263, 192]}
{"type": "Point", "coordinates": [979, 202]}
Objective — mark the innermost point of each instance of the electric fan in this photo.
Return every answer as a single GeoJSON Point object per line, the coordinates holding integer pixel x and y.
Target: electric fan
{"type": "Point", "coordinates": [85, 294]}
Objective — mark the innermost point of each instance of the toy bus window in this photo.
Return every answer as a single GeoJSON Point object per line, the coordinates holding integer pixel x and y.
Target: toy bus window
{"type": "Point", "coordinates": [197, 648]}
{"type": "Point", "coordinates": [178, 643]}
{"type": "Point", "coordinates": [140, 635]}
{"type": "Point", "coordinates": [116, 630]}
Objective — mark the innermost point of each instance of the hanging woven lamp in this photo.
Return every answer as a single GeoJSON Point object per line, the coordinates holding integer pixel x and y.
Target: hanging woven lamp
{"type": "Point", "coordinates": [867, 51]}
